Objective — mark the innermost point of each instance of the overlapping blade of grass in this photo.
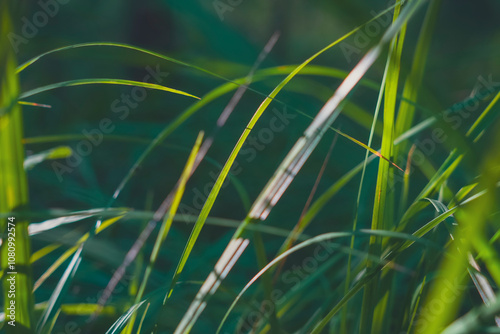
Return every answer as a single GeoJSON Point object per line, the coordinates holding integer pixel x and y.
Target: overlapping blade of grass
{"type": "Point", "coordinates": [312, 241]}
{"type": "Point", "coordinates": [373, 307]}
{"type": "Point", "coordinates": [473, 220]}
{"type": "Point", "coordinates": [338, 185]}
{"type": "Point", "coordinates": [106, 81]}
{"type": "Point", "coordinates": [220, 180]}
{"type": "Point", "coordinates": [301, 150]}
{"type": "Point", "coordinates": [481, 282]}
{"type": "Point", "coordinates": [201, 153]}
{"type": "Point", "coordinates": [13, 188]}
{"type": "Point", "coordinates": [165, 227]}
{"type": "Point", "coordinates": [67, 254]}
{"type": "Point", "coordinates": [392, 253]}
{"type": "Point", "coordinates": [122, 321]}
{"type": "Point", "coordinates": [452, 161]}
{"type": "Point", "coordinates": [343, 324]}
{"type": "Point", "coordinates": [50, 313]}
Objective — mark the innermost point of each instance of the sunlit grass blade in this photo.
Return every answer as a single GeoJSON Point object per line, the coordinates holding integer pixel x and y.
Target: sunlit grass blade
{"type": "Point", "coordinates": [13, 190]}
{"type": "Point", "coordinates": [99, 81]}
{"type": "Point", "coordinates": [374, 298]}
{"type": "Point", "coordinates": [413, 82]}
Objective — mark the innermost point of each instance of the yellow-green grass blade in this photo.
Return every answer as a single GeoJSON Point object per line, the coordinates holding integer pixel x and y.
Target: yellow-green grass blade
{"type": "Point", "coordinates": [167, 223]}
{"type": "Point", "coordinates": [33, 104]}
{"type": "Point", "coordinates": [105, 81]}
{"type": "Point", "coordinates": [117, 45]}
{"type": "Point", "coordinates": [13, 190]}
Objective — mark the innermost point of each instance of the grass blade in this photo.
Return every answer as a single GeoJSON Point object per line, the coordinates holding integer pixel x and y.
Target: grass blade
{"type": "Point", "coordinates": [13, 189]}
{"type": "Point", "coordinates": [122, 82]}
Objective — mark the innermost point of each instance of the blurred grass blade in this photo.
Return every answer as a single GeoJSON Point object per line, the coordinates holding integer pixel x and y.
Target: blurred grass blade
{"type": "Point", "coordinates": [13, 188]}
{"type": "Point", "coordinates": [122, 82]}
{"type": "Point", "coordinates": [34, 104]}
{"type": "Point", "coordinates": [59, 152]}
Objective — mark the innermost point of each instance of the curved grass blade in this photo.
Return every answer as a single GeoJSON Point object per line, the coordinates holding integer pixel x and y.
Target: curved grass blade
{"type": "Point", "coordinates": [122, 82]}
{"type": "Point", "coordinates": [383, 207]}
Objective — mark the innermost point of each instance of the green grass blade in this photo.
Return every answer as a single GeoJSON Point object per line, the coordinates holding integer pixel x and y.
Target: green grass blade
{"type": "Point", "coordinates": [13, 189]}
{"type": "Point", "coordinates": [384, 205]}
{"type": "Point", "coordinates": [122, 82]}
